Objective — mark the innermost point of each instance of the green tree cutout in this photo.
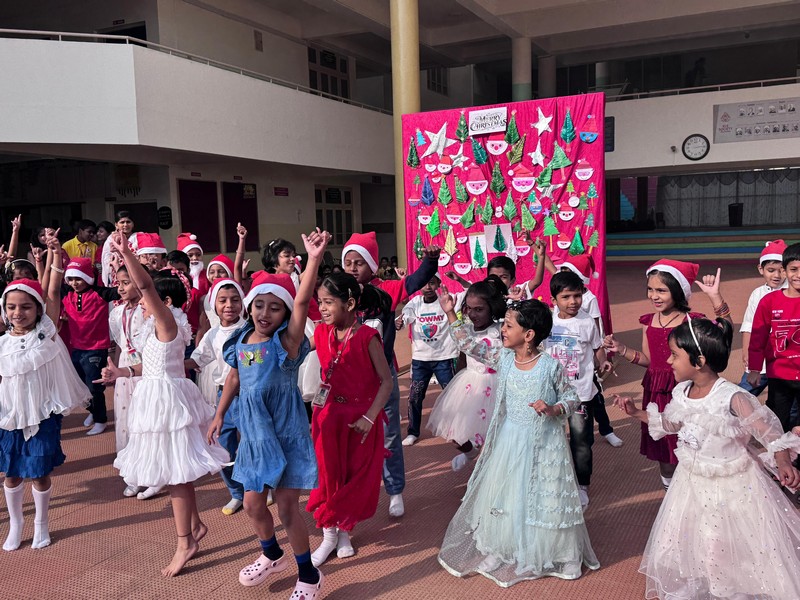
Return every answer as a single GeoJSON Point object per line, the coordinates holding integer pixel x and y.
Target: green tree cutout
{"type": "Point", "coordinates": [487, 213]}
{"type": "Point", "coordinates": [582, 202]}
{"type": "Point", "coordinates": [462, 133]}
{"type": "Point", "coordinates": [499, 240]}
{"type": "Point", "coordinates": [479, 152]}
{"type": "Point", "coordinates": [589, 223]}
{"type": "Point", "coordinates": [568, 130]}
{"type": "Point", "coordinates": [528, 221]}
{"type": "Point", "coordinates": [517, 150]}
{"type": "Point", "coordinates": [498, 186]}
{"type": "Point", "coordinates": [594, 240]}
{"type": "Point", "coordinates": [512, 133]}
{"type": "Point", "coordinates": [550, 229]}
{"type": "Point", "coordinates": [461, 192]}
{"type": "Point", "coordinates": [468, 218]}
{"type": "Point", "coordinates": [434, 227]}
{"type": "Point", "coordinates": [576, 247]}
{"type": "Point", "coordinates": [444, 196]}
{"type": "Point", "coordinates": [478, 257]}
{"type": "Point", "coordinates": [560, 159]}
{"type": "Point", "coordinates": [545, 177]}
{"type": "Point", "coordinates": [417, 181]}
{"type": "Point", "coordinates": [592, 193]}
{"type": "Point", "coordinates": [509, 208]}
{"type": "Point", "coordinates": [412, 160]}
{"type": "Point", "coordinates": [570, 187]}
{"type": "Point", "coordinates": [419, 247]}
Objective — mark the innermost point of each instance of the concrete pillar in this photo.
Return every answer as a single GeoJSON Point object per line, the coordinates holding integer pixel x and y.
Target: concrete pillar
{"type": "Point", "coordinates": [521, 71]}
{"type": "Point", "coordinates": [404, 19]}
{"type": "Point", "coordinates": [602, 74]}
{"type": "Point", "coordinates": [547, 76]}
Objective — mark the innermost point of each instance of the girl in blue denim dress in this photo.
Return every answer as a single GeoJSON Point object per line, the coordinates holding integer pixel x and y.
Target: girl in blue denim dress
{"type": "Point", "coordinates": [275, 450]}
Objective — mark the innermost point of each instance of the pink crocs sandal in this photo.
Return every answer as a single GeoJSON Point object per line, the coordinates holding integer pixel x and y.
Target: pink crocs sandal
{"type": "Point", "coordinates": [258, 572]}
{"type": "Point", "coordinates": [308, 591]}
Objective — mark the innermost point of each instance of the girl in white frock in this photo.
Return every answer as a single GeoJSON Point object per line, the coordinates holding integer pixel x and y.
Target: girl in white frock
{"type": "Point", "coordinates": [166, 445]}
{"type": "Point", "coordinates": [724, 529]}
{"type": "Point", "coordinates": [521, 516]}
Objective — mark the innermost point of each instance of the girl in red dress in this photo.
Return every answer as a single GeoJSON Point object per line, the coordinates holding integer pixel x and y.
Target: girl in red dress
{"type": "Point", "coordinates": [346, 426]}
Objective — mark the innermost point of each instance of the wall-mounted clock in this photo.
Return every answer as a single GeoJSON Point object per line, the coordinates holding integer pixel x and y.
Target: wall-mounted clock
{"type": "Point", "coordinates": [696, 146]}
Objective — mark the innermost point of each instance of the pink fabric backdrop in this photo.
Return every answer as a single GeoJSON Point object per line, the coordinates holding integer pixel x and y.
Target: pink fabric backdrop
{"type": "Point", "coordinates": [568, 210]}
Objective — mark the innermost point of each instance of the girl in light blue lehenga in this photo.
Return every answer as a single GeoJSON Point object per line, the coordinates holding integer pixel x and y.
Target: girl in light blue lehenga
{"type": "Point", "coordinates": [521, 517]}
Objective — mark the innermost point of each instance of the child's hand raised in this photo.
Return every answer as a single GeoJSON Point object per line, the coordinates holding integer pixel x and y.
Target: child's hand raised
{"type": "Point", "coordinates": [710, 284]}
{"type": "Point", "coordinates": [447, 302]}
{"type": "Point", "coordinates": [539, 249]}
{"type": "Point", "coordinates": [119, 243]}
{"type": "Point", "coordinates": [16, 223]}
{"type": "Point", "coordinates": [516, 293]}
{"type": "Point", "coordinates": [315, 242]}
{"type": "Point", "coordinates": [241, 231]}
{"type": "Point", "coordinates": [433, 251]}
{"type": "Point", "coordinates": [110, 373]}
{"type": "Point", "coordinates": [51, 240]}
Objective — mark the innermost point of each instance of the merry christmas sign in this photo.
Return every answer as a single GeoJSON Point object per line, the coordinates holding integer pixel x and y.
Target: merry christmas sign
{"type": "Point", "coordinates": [481, 182]}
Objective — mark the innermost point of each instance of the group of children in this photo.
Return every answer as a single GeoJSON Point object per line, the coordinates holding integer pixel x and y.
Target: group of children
{"type": "Point", "coordinates": [264, 349]}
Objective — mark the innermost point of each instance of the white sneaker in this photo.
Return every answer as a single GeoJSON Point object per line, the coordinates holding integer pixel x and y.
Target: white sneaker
{"type": "Point", "coordinates": [396, 506]}
{"type": "Point", "coordinates": [583, 494]}
{"type": "Point", "coordinates": [148, 493]}
{"type": "Point", "coordinates": [434, 381]}
{"type": "Point", "coordinates": [459, 462]}
{"type": "Point", "coordinates": [410, 440]}
{"type": "Point", "coordinates": [96, 429]}
{"type": "Point", "coordinates": [88, 421]}
{"type": "Point", "coordinates": [612, 439]}
{"type": "Point", "coordinates": [130, 491]}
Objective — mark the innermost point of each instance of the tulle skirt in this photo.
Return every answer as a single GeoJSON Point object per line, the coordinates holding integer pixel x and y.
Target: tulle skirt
{"type": "Point", "coordinates": [463, 410]}
{"type": "Point", "coordinates": [735, 536]}
{"type": "Point", "coordinates": [167, 423]}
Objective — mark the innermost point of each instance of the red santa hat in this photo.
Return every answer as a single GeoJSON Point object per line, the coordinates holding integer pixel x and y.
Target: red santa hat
{"type": "Point", "coordinates": [279, 284]}
{"type": "Point", "coordinates": [149, 243]}
{"type": "Point", "coordinates": [590, 125]}
{"type": "Point", "coordinates": [188, 241]}
{"type": "Point", "coordinates": [520, 170]}
{"type": "Point", "coordinates": [497, 136]}
{"type": "Point", "coordinates": [29, 286]}
{"type": "Point", "coordinates": [218, 285]}
{"type": "Point", "coordinates": [81, 268]}
{"type": "Point", "coordinates": [582, 265]}
{"type": "Point", "coordinates": [445, 160]}
{"type": "Point", "coordinates": [685, 273]}
{"type": "Point", "coordinates": [476, 174]}
{"type": "Point", "coordinates": [773, 251]}
{"type": "Point", "coordinates": [224, 262]}
{"type": "Point", "coordinates": [366, 244]}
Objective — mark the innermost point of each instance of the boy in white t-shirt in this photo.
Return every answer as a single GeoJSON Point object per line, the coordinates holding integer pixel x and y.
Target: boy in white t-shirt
{"type": "Point", "coordinates": [576, 343]}
{"type": "Point", "coordinates": [433, 351]}
{"type": "Point", "coordinates": [770, 267]}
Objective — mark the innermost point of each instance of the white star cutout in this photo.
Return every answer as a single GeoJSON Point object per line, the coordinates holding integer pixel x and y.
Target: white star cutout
{"type": "Point", "coordinates": [439, 141]}
{"type": "Point", "coordinates": [543, 124]}
{"type": "Point", "coordinates": [537, 156]}
{"type": "Point", "coordinates": [459, 159]}
{"type": "Point", "coordinates": [548, 190]}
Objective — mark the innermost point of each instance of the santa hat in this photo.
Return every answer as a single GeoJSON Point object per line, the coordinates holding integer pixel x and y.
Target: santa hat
{"type": "Point", "coordinates": [590, 125]}
{"type": "Point", "coordinates": [218, 285]}
{"type": "Point", "coordinates": [582, 265]}
{"type": "Point", "coordinates": [81, 268]}
{"type": "Point", "coordinates": [188, 241]}
{"type": "Point", "coordinates": [150, 243]}
{"type": "Point", "coordinates": [582, 164]}
{"type": "Point", "coordinates": [497, 136]}
{"type": "Point", "coordinates": [29, 286]}
{"type": "Point", "coordinates": [445, 160]}
{"type": "Point", "coordinates": [685, 273]}
{"type": "Point", "coordinates": [366, 244]}
{"type": "Point", "coordinates": [520, 170]}
{"type": "Point", "coordinates": [773, 251]}
{"type": "Point", "coordinates": [476, 174]}
{"type": "Point", "coordinates": [279, 284]}
{"type": "Point", "coordinates": [224, 262]}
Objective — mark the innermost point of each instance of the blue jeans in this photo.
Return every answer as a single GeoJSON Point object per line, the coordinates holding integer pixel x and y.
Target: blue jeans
{"type": "Point", "coordinates": [394, 469]}
{"type": "Point", "coordinates": [581, 439]}
{"type": "Point", "coordinates": [89, 364]}
{"type": "Point", "coordinates": [421, 373]}
{"type": "Point", "coordinates": [754, 390]}
{"type": "Point", "coordinates": [229, 439]}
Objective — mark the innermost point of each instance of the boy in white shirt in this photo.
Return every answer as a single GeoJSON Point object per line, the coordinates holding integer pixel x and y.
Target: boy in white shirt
{"type": "Point", "coordinates": [576, 343]}
{"type": "Point", "coordinates": [770, 267]}
{"type": "Point", "coordinates": [433, 351]}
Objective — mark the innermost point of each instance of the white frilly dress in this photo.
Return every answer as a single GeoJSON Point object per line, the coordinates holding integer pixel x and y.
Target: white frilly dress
{"type": "Point", "coordinates": [168, 418]}
{"type": "Point", "coordinates": [462, 411]}
{"type": "Point", "coordinates": [521, 516]}
{"type": "Point", "coordinates": [124, 325]}
{"type": "Point", "coordinates": [725, 529]}
{"type": "Point", "coordinates": [205, 379]}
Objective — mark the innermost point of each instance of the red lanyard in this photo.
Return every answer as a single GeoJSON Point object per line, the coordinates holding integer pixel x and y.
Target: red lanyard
{"type": "Point", "coordinates": [335, 361]}
{"type": "Point", "coordinates": [126, 328]}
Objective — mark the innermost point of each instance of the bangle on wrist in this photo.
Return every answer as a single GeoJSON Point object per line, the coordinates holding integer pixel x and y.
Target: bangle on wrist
{"type": "Point", "coordinates": [56, 269]}
{"type": "Point", "coordinates": [365, 417]}
{"type": "Point", "coordinates": [130, 371]}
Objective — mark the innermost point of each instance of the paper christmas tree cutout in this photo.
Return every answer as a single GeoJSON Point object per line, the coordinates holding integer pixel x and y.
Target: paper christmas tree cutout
{"type": "Point", "coordinates": [550, 229]}
{"type": "Point", "coordinates": [444, 197]}
{"type": "Point", "coordinates": [462, 133]}
{"type": "Point", "coordinates": [417, 181]}
{"type": "Point", "coordinates": [517, 227]}
{"type": "Point", "coordinates": [512, 133]}
{"type": "Point", "coordinates": [499, 241]}
{"type": "Point", "coordinates": [589, 222]}
{"type": "Point", "coordinates": [583, 204]}
{"type": "Point", "coordinates": [570, 187]}
{"type": "Point", "coordinates": [412, 160]}
{"type": "Point", "coordinates": [497, 185]}
{"type": "Point", "coordinates": [594, 240]}
{"type": "Point", "coordinates": [517, 150]}
{"type": "Point", "coordinates": [421, 141]}
{"type": "Point", "coordinates": [435, 225]}
{"type": "Point", "coordinates": [461, 192]}
{"type": "Point", "coordinates": [468, 218]}
{"type": "Point", "coordinates": [545, 177]}
{"type": "Point", "coordinates": [478, 257]}
{"type": "Point", "coordinates": [576, 247]}
{"type": "Point", "coordinates": [568, 130]}
{"type": "Point", "coordinates": [427, 193]}
{"type": "Point", "coordinates": [419, 247]}
{"type": "Point", "coordinates": [528, 222]}
{"type": "Point", "coordinates": [479, 153]}
{"type": "Point", "coordinates": [487, 213]}
{"type": "Point", "coordinates": [560, 159]}
{"type": "Point", "coordinates": [450, 242]}
{"type": "Point", "coordinates": [509, 208]}
{"type": "Point", "coordinates": [592, 193]}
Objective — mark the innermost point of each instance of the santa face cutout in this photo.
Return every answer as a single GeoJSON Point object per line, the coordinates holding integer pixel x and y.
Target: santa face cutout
{"type": "Point", "coordinates": [522, 248]}
{"type": "Point", "coordinates": [496, 144]}
{"type": "Point", "coordinates": [462, 268]}
{"type": "Point", "coordinates": [445, 167]}
{"type": "Point", "coordinates": [424, 219]}
{"type": "Point", "coordinates": [583, 170]}
{"type": "Point", "coordinates": [563, 242]}
{"type": "Point", "coordinates": [589, 131]}
{"type": "Point", "coordinates": [430, 168]}
{"type": "Point", "coordinates": [462, 239]}
{"type": "Point", "coordinates": [522, 178]}
{"type": "Point", "coordinates": [454, 219]}
{"type": "Point", "coordinates": [444, 258]}
{"type": "Point", "coordinates": [413, 201]}
{"type": "Point", "coordinates": [477, 183]}
{"type": "Point", "coordinates": [436, 178]}
{"type": "Point", "coordinates": [566, 215]}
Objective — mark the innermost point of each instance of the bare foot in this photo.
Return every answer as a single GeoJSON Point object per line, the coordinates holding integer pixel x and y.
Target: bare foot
{"type": "Point", "coordinates": [182, 556]}
{"type": "Point", "coordinates": [199, 532]}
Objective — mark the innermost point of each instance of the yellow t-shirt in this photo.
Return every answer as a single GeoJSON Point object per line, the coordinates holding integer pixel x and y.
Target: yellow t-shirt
{"type": "Point", "coordinates": [76, 249]}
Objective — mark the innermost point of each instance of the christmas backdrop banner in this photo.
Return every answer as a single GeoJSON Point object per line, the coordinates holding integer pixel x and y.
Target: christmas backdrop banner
{"type": "Point", "coordinates": [482, 182]}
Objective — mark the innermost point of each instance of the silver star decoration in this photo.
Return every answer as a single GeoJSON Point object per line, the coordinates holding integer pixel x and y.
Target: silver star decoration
{"type": "Point", "coordinates": [459, 159]}
{"type": "Point", "coordinates": [548, 190]}
{"type": "Point", "coordinates": [537, 156]}
{"type": "Point", "coordinates": [439, 141]}
{"type": "Point", "coordinates": [543, 124]}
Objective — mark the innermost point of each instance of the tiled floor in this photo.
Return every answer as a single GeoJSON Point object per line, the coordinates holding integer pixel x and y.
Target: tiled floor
{"type": "Point", "coordinates": [107, 546]}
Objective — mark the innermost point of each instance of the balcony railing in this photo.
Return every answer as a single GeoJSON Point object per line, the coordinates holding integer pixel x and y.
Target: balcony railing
{"type": "Point", "coordinates": [699, 89]}
{"type": "Point", "coordinates": [62, 36]}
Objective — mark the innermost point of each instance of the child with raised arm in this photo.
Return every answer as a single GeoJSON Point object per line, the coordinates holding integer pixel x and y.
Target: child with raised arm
{"type": "Point", "coordinates": [724, 530]}
{"type": "Point", "coordinates": [520, 517]}
{"type": "Point", "coordinates": [275, 448]}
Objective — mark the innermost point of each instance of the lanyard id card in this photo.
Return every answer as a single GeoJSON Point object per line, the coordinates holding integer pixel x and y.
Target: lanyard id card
{"type": "Point", "coordinates": [321, 397]}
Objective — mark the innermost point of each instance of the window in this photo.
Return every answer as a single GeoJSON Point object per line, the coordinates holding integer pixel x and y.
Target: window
{"type": "Point", "coordinates": [198, 206]}
{"type": "Point", "coordinates": [328, 72]}
{"type": "Point", "coordinates": [334, 212]}
{"type": "Point", "coordinates": [437, 80]}
{"type": "Point", "coordinates": [240, 205]}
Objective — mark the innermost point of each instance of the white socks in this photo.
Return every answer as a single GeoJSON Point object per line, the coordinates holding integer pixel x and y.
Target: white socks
{"type": "Point", "coordinates": [344, 547]}
{"type": "Point", "coordinates": [666, 481]}
{"type": "Point", "coordinates": [396, 506]}
{"type": "Point", "coordinates": [41, 526]}
{"type": "Point", "coordinates": [330, 537]}
{"type": "Point", "coordinates": [15, 518]}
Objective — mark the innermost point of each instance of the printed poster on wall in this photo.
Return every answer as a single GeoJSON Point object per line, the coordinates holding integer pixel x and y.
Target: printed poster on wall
{"type": "Point", "coordinates": [486, 181]}
{"type": "Point", "coordinates": [761, 120]}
